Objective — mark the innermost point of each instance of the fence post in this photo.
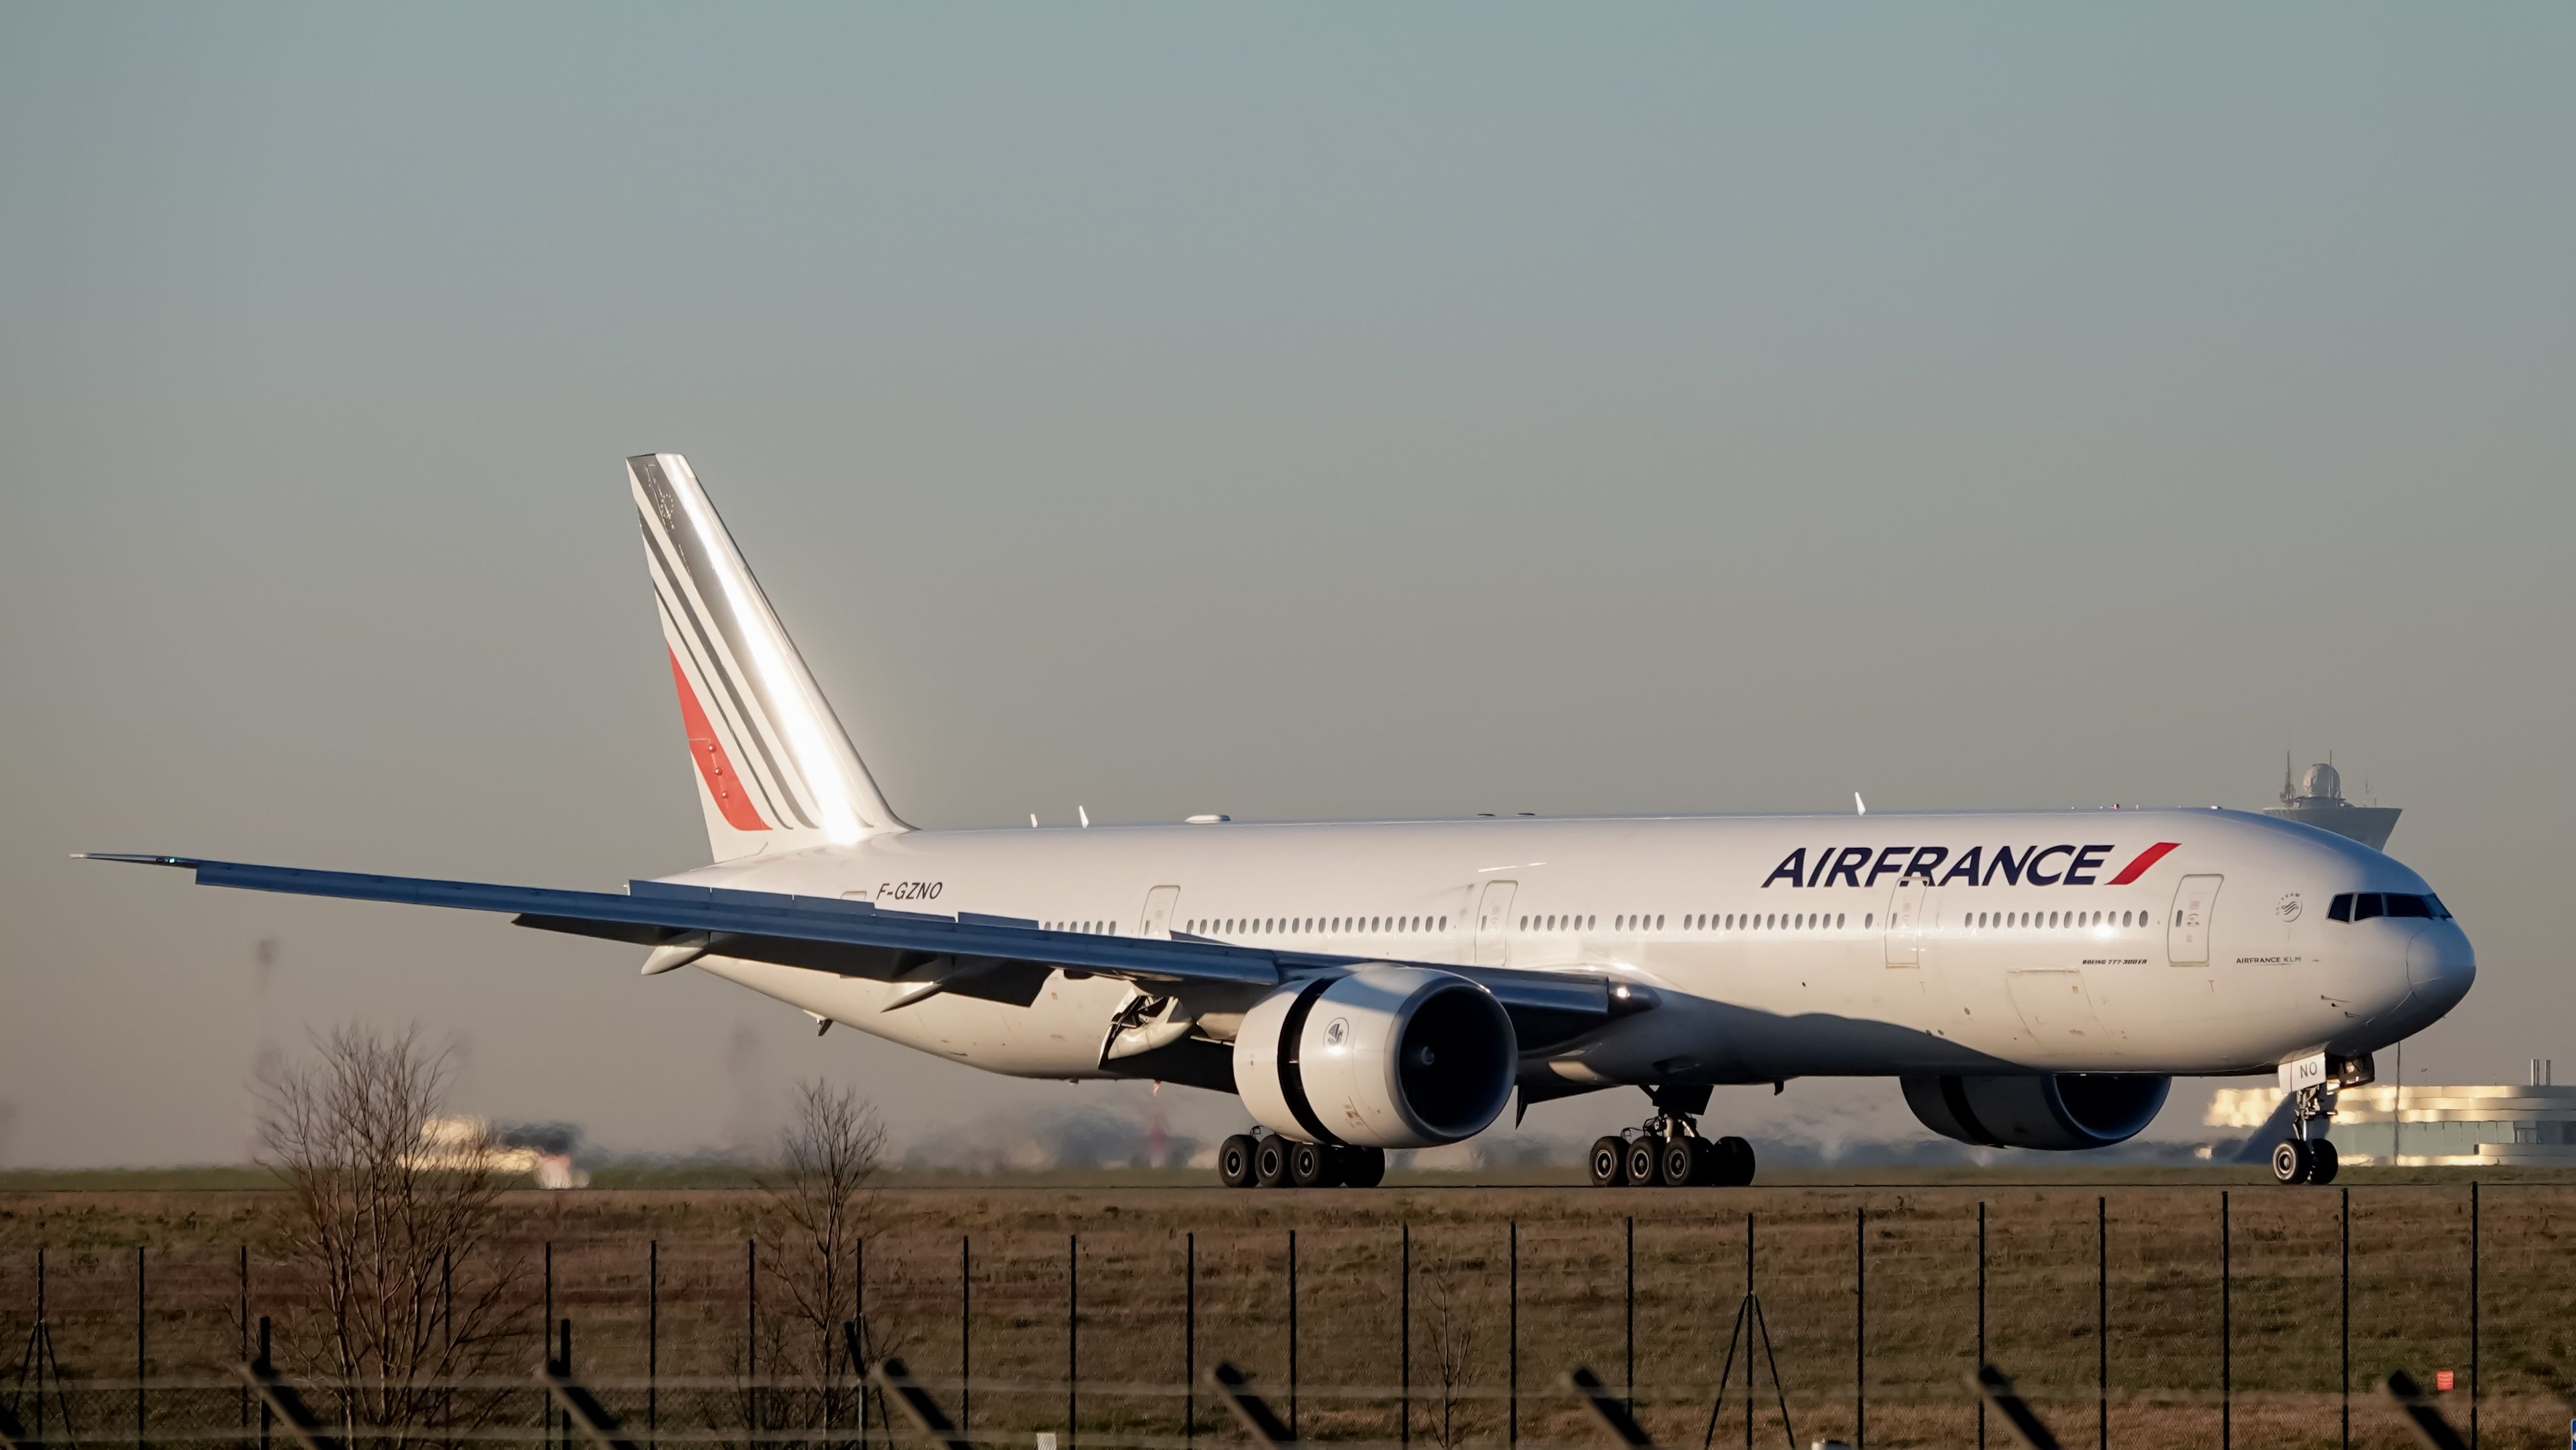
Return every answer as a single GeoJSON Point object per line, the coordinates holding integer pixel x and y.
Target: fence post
{"type": "Point", "coordinates": [265, 1413]}
{"type": "Point", "coordinates": [966, 1334]}
{"type": "Point", "coordinates": [1292, 1334]}
{"type": "Point", "coordinates": [1752, 1321]}
{"type": "Point", "coordinates": [2346, 1223]}
{"type": "Point", "coordinates": [1072, 1336]}
{"type": "Point", "coordinates": [545, 1318]}
{"type": "Point", "coordinates": [447, 1339]}
{"type": "Point", "coordinates": [1514, 1434]}
{"type": "Point", "coordinates": [653, 1341]}
{"type": "Point", "coordinates": [2226, 1324]}
{"type": "Point", "coordinates": [1860, 1327]}
{"type": "Point", "coordinates": [859, 1330]}
{"type": "Point", "coordinates": [242, 1396]}
{"type": "Point", "coordinates": [2102, 1318]}
{"type": "Point", "coordinates": [1981, 1316]}
{"type": "Point", "coordinates": [1190, 1338]}
{"type": "Point", "coordinates": [1404, 1335]}
{"type": "Point", "coordinates": [141, 1332]}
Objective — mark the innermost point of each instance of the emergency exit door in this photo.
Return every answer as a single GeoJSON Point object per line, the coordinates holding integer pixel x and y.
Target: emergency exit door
{"type": "Point", "coordinates": [1905, 922]}
{"type": "Point", "coordinates": [1160, 903]}
{"type": "Point", "coordinates": [1493, 922]}
{"type": "Point", "coordinates": [2187, 930]}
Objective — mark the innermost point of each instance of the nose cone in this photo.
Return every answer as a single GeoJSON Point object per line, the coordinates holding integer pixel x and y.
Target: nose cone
{"type": "Point", "coordinates": [2440, 966]}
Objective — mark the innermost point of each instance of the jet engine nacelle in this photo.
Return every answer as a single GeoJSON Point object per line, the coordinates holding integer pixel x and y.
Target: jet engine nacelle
{"type": "Point", "coordinates": [1387, 1057]}
{"type": "Point", "coordinates": [2060, 1111]}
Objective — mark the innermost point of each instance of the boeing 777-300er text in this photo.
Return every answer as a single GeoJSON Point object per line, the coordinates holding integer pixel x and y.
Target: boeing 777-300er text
{"type": "Point", "coordinates": [2032, 979]}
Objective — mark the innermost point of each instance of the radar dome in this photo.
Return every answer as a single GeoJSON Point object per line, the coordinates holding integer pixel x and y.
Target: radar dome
{"type": "Point", "coordinates": [2323, 783]}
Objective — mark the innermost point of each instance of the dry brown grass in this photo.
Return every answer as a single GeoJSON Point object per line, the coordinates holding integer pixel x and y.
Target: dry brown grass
{"type": "Point", "coordinates": [2409, 1302]}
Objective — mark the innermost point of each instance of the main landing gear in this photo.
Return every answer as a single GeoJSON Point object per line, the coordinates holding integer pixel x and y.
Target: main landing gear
{"type": "Point", "coordinates": [1267, 1160]}
{"type": "Point", "coordinates": [1668, 1150]}
{"type": "Point", "coordinates": [2305, 1156]}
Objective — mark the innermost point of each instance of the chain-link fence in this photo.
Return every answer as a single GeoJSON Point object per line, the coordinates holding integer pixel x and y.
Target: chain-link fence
{"type": "Point", "coordinates": [2136, 1316]}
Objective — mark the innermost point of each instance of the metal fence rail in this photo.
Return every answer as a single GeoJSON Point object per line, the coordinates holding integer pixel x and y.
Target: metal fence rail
{"type": "Point", "coordinates": [705, 1349]}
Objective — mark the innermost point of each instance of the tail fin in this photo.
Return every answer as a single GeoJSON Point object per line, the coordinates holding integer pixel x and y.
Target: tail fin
{"type": "Point", "coordinates": [775, 770]}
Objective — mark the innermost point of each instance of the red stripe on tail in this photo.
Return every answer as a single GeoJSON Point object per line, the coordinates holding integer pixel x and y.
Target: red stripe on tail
{"type": "Point", "coordinates": [714, 766]}
{"type": "Point", "coordinates": [2146, 858]}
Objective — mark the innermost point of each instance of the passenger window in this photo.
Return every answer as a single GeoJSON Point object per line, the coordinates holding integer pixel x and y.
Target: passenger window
{"type": "Point", "coordinates": [1867, 918]}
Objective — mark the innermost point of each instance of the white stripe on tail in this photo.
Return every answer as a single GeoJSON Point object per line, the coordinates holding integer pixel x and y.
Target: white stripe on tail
{"type": "Point", "coordinates": [775, 770]}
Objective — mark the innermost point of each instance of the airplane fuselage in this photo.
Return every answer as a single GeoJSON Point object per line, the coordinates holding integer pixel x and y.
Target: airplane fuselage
{"type": "Point", "coordinates": [2127, 941]}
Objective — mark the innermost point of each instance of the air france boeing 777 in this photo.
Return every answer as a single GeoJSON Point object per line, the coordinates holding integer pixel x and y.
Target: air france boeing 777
{"type": "Point", "coordinates": [2033, 979]}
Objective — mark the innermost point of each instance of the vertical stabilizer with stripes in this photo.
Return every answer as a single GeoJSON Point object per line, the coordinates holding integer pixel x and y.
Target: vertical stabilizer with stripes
{"type": "Point", "coordinates": [775, 771]}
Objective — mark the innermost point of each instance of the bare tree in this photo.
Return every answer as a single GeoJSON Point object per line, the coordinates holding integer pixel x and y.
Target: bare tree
{"type": "Point", "coordinates": [393, 1233]}
{"type": "Point", "coordinates": [815, 1208]}
{"type": "Point", "coordinates": [1452, 1329]}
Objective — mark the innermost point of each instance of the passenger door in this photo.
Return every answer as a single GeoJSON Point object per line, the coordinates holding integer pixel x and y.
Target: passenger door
{"type": "Point", "coordinates": [1160, 903]}
{"type": "Point", "coordinates": [1905, 923]}
{"type": "Point", "coordinates": [2187, 930]}
{"type": "Point", "coordinates": [1494, 922]}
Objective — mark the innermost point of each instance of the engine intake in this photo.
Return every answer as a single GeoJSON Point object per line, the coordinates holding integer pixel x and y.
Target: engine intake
{"type": "Point", "coordinates": [2057, 1111]}
{"type": "Point", "coordinates": [1387, 1057]}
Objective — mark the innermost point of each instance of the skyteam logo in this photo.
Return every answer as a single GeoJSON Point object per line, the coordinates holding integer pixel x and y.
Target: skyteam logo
{"type": "Point", "coordinates": [2062, 865]}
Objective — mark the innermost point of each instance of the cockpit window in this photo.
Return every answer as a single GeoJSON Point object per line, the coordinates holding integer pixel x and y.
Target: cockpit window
{"type": "Point", "coordinates": [2363, 905]}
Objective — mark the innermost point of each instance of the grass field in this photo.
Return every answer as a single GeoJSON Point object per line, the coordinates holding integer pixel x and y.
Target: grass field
{"type": "Point", "coordinates": [2159, 1237]}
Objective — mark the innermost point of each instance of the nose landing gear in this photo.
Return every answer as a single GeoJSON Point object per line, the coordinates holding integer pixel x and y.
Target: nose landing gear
{"type": "Point", "coordinates": [2305, 1156]}
{"type": "Point", "coordinates": [2304, 1160]}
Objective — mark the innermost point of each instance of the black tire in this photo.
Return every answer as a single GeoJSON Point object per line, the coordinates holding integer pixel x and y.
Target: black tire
{"type": "Point", "coordinates": [1681, 1161]}
{"type": "Point", "coordinates": [1311, 1165]}
{"type": "Point", "coordinates": [2327, 1162]}
{"type": "Point", "coordinates": [1609, 1162]}
{"type": "Point", "coordinates": [1734, 1162]}
{"type": "Point", "coordinates": [1362, 1167]}
{"type": "Point", "coordinates": [2292, 1161]}
{"type": "Point", "coordinates": [1270, 1162]}
{"type": "Point", "coordinates": [1646, 1162]}
{"type": "Point", "coordinates": [1705, 1164]}
{"type": "Point", "coordinates": [1234, 1161]}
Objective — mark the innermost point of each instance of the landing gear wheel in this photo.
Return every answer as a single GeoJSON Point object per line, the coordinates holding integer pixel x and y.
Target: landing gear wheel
{"type": "Point", "coordinates": [2327, 1161]}
{"type": "Point", "coordinates": [1270, 1162]}
{"type": "Point", "coordinates": [1734, 1162]}
{"type": "Point", "coordinates": [1311, 1165]}
{"type": "Point", "coordinates": [1360, 1167]}
{"type": "Point", "coordinates": [1708, 1166]}
{"type": "Point", "coordinates": [1609, 1162]}
{"type": "Point", "coordinates": [2293, 1161]}
{"type": "Point", "coordinates": [1681, 1161]}
{"type": "Point", "coordinates": [1645, 1162]}
{"type": "Point", "coordinates": [1234, 1161]}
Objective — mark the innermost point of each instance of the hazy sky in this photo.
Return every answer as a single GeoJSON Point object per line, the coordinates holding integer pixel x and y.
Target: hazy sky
{"type": "Point", "coordinates": [1289, 412]}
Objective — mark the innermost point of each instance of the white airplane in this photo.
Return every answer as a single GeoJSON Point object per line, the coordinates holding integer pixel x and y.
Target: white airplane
{"type": "Point", "coordinates": [2033, 979]}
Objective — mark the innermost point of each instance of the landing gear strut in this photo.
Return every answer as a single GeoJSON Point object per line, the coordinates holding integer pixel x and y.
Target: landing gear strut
{"type": "Point", "coordinates": [1270, 1161]}
{"type": "Point", "coordinates": [1669, 1151]}
{"type": "Point", "coordinates": [2305, 1156]}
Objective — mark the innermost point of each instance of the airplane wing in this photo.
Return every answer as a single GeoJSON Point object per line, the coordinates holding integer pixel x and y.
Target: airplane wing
{"type": "Point", "coordinates": [999, 958]}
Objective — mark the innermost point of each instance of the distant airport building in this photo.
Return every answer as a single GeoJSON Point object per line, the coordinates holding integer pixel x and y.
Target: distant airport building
{"type": "Point", "coordinates": [2318, 801]}
{"type": "Point", "coordinates": [540, 1151]}
{"type": "Point", "coordinates": [2484, 1125]}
